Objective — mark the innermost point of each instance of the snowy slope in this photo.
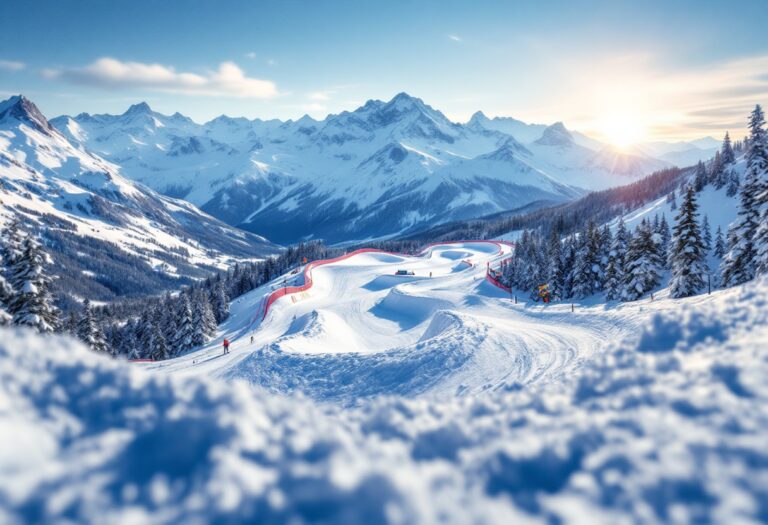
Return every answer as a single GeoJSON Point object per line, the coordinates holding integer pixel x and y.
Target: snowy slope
{"type": "Point", "coordinates": [663, 423]}
{"type": "Point", "coordinates": [79, 197]}
{"type": "Point", "coordinates": [360, 331]}
{"type": "Point", "coordinates": [384, 168]}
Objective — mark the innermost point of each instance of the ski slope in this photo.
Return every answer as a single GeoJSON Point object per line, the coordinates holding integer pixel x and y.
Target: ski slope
{"type": "Point", "coordinates": [361, 331]}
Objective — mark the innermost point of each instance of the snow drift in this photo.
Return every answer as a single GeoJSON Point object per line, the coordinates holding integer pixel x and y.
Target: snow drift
{"type": "Point", "coordinates": [669, 425]}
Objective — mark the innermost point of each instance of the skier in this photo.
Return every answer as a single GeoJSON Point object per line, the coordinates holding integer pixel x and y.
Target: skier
{"type": "Point", "coordinates": [430, 275]}
{"type": "Point", "coordinates": [251, 338]}
{"type": "Point", "coordinates": [226, 346]}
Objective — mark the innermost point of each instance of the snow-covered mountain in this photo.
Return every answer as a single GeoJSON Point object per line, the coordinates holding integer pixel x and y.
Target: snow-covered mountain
{"type": "Point", "coordinates": [106, 228]}
{"type": "Point", "coordinates": [382, 169]}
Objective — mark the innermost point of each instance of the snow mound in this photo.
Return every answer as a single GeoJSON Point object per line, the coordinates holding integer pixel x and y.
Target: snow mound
{"type": "Point", "coordinates": [316, 330]}
{"type": "Point", "coordinates": [407, 308]}
{"type": "Point", "coordinates": [442, 322]}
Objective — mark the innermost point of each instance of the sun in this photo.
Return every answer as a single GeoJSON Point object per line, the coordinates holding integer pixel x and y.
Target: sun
{"type": "Point", "coordinates": [622, 131]}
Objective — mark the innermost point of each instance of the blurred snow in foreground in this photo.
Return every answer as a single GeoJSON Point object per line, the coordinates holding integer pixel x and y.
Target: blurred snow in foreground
{"type": "Point", "coordinates": [669, 426]}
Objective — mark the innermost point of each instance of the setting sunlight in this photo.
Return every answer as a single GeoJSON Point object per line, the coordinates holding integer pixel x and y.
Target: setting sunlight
{"type": "Point", "coordinates": [622, 131]}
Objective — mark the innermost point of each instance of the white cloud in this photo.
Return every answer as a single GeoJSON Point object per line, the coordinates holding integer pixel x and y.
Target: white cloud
{"type": "Point", "coordinates": [271, 62]}
{"type": "Point", "coordinates": [109, 73]}
{"type": "Point", "coordinates": [12, 65]}
{"type": "Point", "coordinates": [251, 55]}
{"type": "Point", "coordinates": [455, 38]}
{"type": "Point", "coordinates": [319, 96]}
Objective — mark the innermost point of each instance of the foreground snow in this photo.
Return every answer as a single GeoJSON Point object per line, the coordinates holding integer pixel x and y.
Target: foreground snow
{"type": "Point", "coordinates": [667, 425]}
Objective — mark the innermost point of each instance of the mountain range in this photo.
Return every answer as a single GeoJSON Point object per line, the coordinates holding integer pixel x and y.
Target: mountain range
{"type": "Point", "coordinates": [384, 169]}
{"type": "Point", "coordinates": [112, 236]}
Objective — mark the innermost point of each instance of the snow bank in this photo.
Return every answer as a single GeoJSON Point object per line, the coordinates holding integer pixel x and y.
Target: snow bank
{"type": "Point", "coordinates": [667, 426]}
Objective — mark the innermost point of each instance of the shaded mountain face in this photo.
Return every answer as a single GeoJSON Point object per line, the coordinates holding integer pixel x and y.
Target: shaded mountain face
{"type": "Point", "coordinates": [111, 236]}
{"type": "Point", "coordinates": [383, 169]}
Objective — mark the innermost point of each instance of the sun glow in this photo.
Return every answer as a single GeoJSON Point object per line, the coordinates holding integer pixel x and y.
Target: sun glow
{"type": "Point", "coordinates": [622, 130]}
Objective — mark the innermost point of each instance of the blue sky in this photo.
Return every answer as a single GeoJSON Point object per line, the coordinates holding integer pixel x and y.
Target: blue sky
{"type": "Point", "coordinates": [676, 69]}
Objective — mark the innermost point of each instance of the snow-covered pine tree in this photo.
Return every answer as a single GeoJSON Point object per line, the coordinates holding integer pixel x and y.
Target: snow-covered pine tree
{"type": "Point", "coordinates": [740, 263]}
{"type": "Point", "coordinates": [614, 273]}
{"type": "Point", "coordinates": [32, 304]}
{"type": "Point", "coordinates": [727, 155]}
{"type": "Point", "coordinates": [716, 171]}
{"type": "Point", "coordinates": [605, 240]}
{"type": "Point", "coordinates": [157, 346]}
{"type": "Point", "coordinates": [700, 179]}
{"type": "Point", "coordinates": [130, 347]}
{"type": "Point", "coordinates": [220, 303]}
{"type": "Point", "coordinates": [569, 260]}
{"type": "Point", "coordinates": [687, 250]}
{"type": "Point", "coordinates": [555, 270]}
{"type": "Point", "coordinates": [733, 182]}
{"type": "Point", "coordinates": [203, 320]}
{"type": "Point", "coordinates": [719, 243]}
{"type": "Point", "coordinates": [643, 263]}
{"type": "Point", "coordinates": [88, 330]}
{"type": "Point", "coordinates": [10, 248]}
{"type": "Point", "coordinates": [757, 166]}
{"type": "Point", "coordinates": [6, 293]}
{"type": "Point", "coordinates": [184, 338]}
{"type": "Point", "coordinates": [587, 273]}
{"type": "Point", "coordinates": [664, 236]}
{"type": "Point", "coordinates": [706, 234]}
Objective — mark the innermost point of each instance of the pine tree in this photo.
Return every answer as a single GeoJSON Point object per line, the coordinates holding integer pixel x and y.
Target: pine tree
{"type": "Point", "coordinates": [580, 272]}
{"type": "Point", "coordinates": [220, 303]}
{"type": "Point", "coordinates": [183, 340]}
{"type": "Point", "coordinates": [757, 167]}
{"type": "Point", "coordinates": [662, 230]}
{"type": "Point", "coordinates": [687, 254]}
{"type": "Point", "coordinates": [88, 330]}
{"type": "Point", "coordinates": [203, 320]}
{"type": "Point", "coordinates": [741, 262]}
{"type": "Point", "coordinates": [157, 346]}
{"type": "Point", "coordinates": [10, 248]}
{"type": "Point", "coordinates": [719, 243]}
{"type": "Point", "coordinates": [716, 171]}
{"type": "Point", "coordinates": [706, 234]}
{"type": "Point", "coordinates": [727, 154]}
{"type": "Point", "coordinates": [32, 304]}
{"type": "Point", "coordinates": [700, 179]}
{"type": "Point", "coordinates": [643, 263]}
{"type": "Point", "coordinates": [569, 261]}
{"type": "Point", "coordinates": [614, 274]}
{"type": "Point", "coordinates": [130, 347]}
{"type": "Point", "coordinates": [733, 182]}
{"type": "Point", "coordinates": [556, 271]}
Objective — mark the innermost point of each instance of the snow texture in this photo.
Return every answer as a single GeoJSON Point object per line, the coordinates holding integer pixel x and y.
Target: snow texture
{"type": "Point", "coordinates": [666, 425]}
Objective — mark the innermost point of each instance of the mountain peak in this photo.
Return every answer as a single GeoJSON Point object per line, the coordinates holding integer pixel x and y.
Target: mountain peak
{"type": "Point", "coordinates": [404, 102]}
{"type": "Point", "coordinates": [505, 153]}
{"type": "Point", "coordinates": [478, 116]}
{"type": "Point", "coordinates": [139, 109]}
{"type": "Point", "coordinates": [20, 108]}
{"type": "Point", "coordinates": [556, 135]}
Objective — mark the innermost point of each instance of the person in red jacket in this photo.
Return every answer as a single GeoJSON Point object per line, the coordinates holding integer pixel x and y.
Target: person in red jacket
{"type": "Point", "coordinates": [226, 346]}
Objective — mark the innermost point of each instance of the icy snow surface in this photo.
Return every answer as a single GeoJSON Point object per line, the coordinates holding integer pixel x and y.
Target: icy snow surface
{"type": "Point", "coordinates": [648, 412]}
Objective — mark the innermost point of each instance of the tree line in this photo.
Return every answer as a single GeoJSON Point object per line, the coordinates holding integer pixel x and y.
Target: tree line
{"type": "Point", "coordinates": [625, 265]}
